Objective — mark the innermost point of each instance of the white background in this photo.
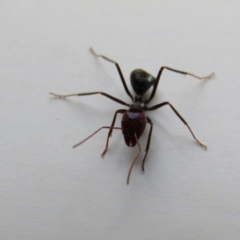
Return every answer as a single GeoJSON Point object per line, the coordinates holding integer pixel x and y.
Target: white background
{"type": "Point", "coordinates": [50, 191]}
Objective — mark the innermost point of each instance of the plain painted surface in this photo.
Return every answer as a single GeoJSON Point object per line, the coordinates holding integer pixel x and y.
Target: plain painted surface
{"type": "Point", "coordinates": [50, 191]}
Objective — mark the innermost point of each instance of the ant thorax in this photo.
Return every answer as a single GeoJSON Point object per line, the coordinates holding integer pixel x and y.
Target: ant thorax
{"type": "Point", "coordinates": [139, 99]}
{"type": "Point", "coordinates": [139, 102]}
{"type": "Point", "coordinates": [136, 107]}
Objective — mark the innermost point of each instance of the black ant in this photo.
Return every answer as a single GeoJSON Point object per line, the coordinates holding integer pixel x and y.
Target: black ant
{"type": "Point", "coordinates": [134, 119]}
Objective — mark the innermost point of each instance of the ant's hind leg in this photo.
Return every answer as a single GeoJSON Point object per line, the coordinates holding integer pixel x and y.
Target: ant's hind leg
{"type": "Point", "coordinates": [176, 71]}
{"type": "Point", "coordinates": [118, 68]}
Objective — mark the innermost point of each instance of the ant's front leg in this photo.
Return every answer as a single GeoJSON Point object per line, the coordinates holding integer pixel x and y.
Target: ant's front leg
{"type": "Point", "coordinates": [148, 141]}
{"type": "Point", "coordinates": [111, 129]}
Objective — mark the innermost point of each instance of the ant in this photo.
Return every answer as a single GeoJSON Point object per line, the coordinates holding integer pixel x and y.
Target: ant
{"type": "Point", "coordinates": [134, 119]}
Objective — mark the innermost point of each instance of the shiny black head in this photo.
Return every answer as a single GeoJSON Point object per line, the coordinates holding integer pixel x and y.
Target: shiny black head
{"type": "Point", "coordinates": [141, 81]}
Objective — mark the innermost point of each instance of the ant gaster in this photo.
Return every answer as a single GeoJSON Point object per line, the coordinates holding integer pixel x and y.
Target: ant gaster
{"type": "Point", "coordinates": [134, 119]}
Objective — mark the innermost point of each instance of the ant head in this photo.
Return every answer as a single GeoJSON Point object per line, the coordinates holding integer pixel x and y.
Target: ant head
{"type": "Point", "coordinates": [133, 124]}
{"type": "Point", "coordinates": [141, 81]}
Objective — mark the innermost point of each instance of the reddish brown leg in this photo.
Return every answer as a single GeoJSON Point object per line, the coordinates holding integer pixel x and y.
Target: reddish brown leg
{"type": "Point", "coordinates": [182, 119]}
{"type": "Point", "coordinates": [148, 141]}
{"type": "Point", "coordinates": [91, 93]}
{"type": "Point", "coordinates": [118, 68]}
{"type": "Point", "coordinates": [177, 71]}
{"type": "Point", "coordinates": [111, 129]}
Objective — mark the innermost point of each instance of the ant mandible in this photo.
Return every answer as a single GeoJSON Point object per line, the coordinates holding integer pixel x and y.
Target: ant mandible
{"type": "Point", "coordinates": [134, 119]}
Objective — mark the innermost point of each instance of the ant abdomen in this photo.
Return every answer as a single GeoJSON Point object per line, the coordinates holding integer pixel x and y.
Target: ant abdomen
{"type": "Point", "coordinates": [141, 81]}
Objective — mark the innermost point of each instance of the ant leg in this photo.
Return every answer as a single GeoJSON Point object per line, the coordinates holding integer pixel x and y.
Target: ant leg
{"type": "Point", "coordinates": [135, 159]}
{"type": "Point", "coordinates": [111, 128]}
{"type": "Point", "coordinates": [177, 71]}
{"type": "Point", "coordinates": [148, 142]}
{"type": "Point", "coordinates": [92, 93]}
{"type": "Point", "coordinates": [167, 103]}
{"type": "Point", "coordinates": [118, 68]}
{"type": "Point", "coordinates": [84, 140]}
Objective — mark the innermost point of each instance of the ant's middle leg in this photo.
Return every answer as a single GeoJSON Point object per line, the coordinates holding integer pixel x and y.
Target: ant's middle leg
{"type": "Point", "coordinates": [91, 93]}
{"type": "Point", "coordinates": [181, 118]}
